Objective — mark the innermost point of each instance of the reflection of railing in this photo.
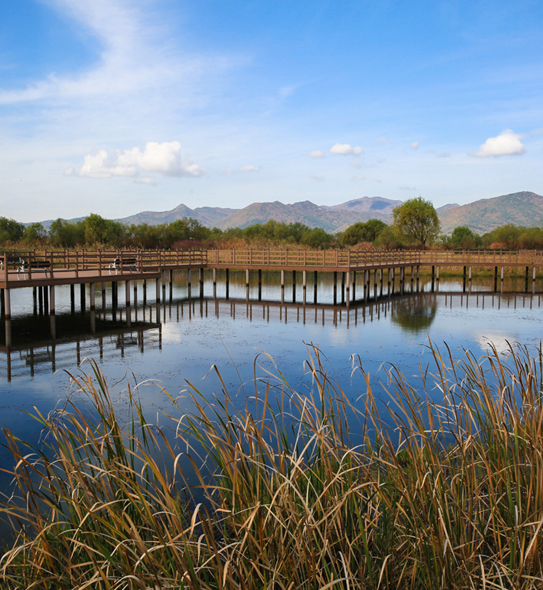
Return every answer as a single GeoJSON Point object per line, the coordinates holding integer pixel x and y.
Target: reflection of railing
{"type": "Point", "coordinates": [57, 350]}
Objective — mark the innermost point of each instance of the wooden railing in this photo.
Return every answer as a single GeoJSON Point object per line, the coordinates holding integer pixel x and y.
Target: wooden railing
{"type": "Point", "coordinates": [37, 263]}
{"type": "Point", "coordinates": [108, 262]}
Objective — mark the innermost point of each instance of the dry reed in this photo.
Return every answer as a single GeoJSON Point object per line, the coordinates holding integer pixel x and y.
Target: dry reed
{"type": "Point", "coordinates": [437, 495]}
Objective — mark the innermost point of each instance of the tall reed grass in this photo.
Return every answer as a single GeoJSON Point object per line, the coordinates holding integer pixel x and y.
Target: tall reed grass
{"type": "Point", "coordinates": [436, 495]}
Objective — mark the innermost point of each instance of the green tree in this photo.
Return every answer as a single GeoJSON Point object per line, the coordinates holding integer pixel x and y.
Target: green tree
{"type": "Point", "coordinates": [362, 232]}
{"type": "Point", "coordinates": [417, 220]}
{"type": "Point", "coordinates": [463, 238]}
{"type": "Point", "coordinates": [316, 238]}
{"type": "Point", "coordinates": [35, 232]}
{"type": "Point", "coordinates": [10, 230]}
{"type": "Point", "coordinates": [67, 234]}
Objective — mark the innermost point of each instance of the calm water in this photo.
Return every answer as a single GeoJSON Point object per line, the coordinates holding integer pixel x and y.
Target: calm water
{"type": "Point", "coordinates": [180, 340]}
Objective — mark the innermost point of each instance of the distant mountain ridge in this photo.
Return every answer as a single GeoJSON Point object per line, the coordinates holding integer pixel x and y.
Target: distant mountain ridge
{"type": "Point", "coordinates": [523, 208]}
{"type": "Point", "coordinates": [330, 219]}
{"type": "Point", "coordinates": [208, 216]}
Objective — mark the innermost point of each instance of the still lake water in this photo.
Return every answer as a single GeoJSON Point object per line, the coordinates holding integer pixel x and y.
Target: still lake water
{"type": "Point", "coordinates": [181, 339]}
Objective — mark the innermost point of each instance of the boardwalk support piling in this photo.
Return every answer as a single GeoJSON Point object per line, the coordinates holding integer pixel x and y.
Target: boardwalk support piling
{"type": "Point", "coordinates": [7, 308]}
{"type": "Point", "coordinates": [52, 299]}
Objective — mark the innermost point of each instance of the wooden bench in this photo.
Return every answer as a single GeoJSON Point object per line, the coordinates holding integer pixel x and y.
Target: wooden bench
{"type": "Point", "coordinates": [121, 264]}
{"type": "Point", "coordinates": [25, 265]}
{"type": "Point", "coordinates": [13, 262]}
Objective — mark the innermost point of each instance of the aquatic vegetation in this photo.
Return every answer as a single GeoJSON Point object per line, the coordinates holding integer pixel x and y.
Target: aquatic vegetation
{"type": "Point", "coordinates": [433, 495]}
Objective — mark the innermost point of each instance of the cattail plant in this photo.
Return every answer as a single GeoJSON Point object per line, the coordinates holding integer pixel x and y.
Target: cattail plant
{"type": "Point", "coordinates": [434, 494]}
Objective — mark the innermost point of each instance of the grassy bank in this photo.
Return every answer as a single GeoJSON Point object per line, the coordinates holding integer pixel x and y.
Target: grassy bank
{"type": "Point", "coordinates": [450, 496]}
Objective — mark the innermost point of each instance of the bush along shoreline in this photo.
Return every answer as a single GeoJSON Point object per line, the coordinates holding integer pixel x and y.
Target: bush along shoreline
{"type": "Point", "coordinates": [444, 494]}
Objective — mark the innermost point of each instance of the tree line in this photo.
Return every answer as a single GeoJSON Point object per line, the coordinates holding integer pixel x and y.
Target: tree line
{"type": "Point", "coordinates": [415, 224]}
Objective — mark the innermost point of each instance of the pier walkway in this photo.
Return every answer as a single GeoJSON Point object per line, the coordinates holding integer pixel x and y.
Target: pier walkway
{"type": "Point", "coordinates": [44, 270]}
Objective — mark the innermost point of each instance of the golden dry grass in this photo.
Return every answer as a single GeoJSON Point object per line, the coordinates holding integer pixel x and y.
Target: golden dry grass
{"type": "Point", "coordinates": [436, 495]}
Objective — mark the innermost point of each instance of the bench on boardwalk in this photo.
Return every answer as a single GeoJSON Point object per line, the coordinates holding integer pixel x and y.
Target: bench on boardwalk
{"type": "Point", "coordinates": [24, 266]}
{"type": "Point", "coordinates": [12, 262]}
{"type": "Point", "coordinates": [121, 264]}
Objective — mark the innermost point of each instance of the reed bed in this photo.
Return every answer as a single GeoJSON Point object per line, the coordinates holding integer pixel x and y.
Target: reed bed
{"type": "Point", "coordinates": [435, 495]}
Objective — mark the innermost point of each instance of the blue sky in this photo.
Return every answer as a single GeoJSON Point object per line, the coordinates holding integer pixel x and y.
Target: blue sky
{"type": "Point", "coordinates": [119, 106]}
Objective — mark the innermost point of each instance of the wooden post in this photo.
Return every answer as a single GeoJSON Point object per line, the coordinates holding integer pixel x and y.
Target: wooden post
{"type": "Point", "coordinates": [45, 300]}
{"type": "Point", "coordinates": [52, 299]}
{"type": "Point", "coordinates": [92, 296]}
{"type": "Point", "coordinates": [126, 293]}
{"type": "Point", "coordinates": [7, 306]}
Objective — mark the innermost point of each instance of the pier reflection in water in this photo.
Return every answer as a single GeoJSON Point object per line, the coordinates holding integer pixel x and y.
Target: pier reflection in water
{"type": "Point", "coordinates": [50, 342]}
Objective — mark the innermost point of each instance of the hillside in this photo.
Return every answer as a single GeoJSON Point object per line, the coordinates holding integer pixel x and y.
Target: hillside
{"type": "Point", "coordinates": [208, 216]}
{"type": "Point", "coordinates": [373, 205]}
{"type": "Point", "coordinates": [523, 208]}
{"type": "Point", "coordinates": [330, 219]}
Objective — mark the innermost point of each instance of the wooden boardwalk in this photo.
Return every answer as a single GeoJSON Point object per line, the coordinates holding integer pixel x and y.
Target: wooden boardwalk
{"type": "Point", "coordinates": [47, 269]}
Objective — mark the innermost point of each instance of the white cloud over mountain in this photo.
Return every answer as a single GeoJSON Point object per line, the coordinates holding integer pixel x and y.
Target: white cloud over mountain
{"type": "Point", "coordinates": [507, 143]}
{"type": "Point", "coordinates": [161, 158]}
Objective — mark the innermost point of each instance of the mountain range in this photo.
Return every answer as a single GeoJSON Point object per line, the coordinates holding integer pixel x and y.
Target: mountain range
{"type": "Point", "coordinates": [332, 218]}
{"type": "Point", "coordinates": [522, 208]}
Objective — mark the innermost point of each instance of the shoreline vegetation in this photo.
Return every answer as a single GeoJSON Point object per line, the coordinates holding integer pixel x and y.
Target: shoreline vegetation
{"type": "Point", "coordinates": [95, 232]}
{"type": "Point", "coordinates": [296, 489]}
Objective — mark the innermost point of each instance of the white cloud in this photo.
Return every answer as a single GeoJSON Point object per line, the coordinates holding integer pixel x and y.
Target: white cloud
{"type": "Point", "coordinates": [145, 180]}
{"type": "Point", "coordinates": [359, 177]}
{"type": "Point", "coordinates": [356, 164]}
{"type": "Point", "coordinates": [318, 178]}
{"type": "Point", "coordinates": [133, 54]}
{"type": "Point", "coordinates": [444, 155]}
{"type": "Point", "coordinates": [344, 149]}
{"type": "Point", "coordinates": [415, 145]}
{"type": "Point", "coordinates": [249, 168]}
{"type": "Point", "coordinates": [382, 139]}
{"type": "Point", "coordinates": [316, 154]}
{"type": "Point", "coordinates": [161, 158]}
{"type": "Point", "coordinates": [506, 144]}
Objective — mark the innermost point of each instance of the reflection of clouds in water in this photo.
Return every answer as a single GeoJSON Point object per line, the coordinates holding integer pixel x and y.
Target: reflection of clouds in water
{"type": "Point", "coordinates": [500, 340]}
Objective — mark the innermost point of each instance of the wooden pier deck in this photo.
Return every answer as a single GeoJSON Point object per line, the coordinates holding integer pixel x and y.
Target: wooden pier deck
{"type": "Point", "coordinates": [47, 269]}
